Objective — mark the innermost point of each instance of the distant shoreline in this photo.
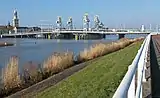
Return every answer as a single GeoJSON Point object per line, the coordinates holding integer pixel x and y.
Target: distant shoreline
{"type": "Point", "coordinates": [3, 44]}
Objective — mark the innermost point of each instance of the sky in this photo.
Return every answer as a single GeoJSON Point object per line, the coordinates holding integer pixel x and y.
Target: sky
{"type": "Point", "coordinates": [113, 13]}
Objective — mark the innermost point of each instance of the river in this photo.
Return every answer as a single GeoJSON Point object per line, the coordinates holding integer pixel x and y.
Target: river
{"type": "Point", "coordinates": [38, 50]}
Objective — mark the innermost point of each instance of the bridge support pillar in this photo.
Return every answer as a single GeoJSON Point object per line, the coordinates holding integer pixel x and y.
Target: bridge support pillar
{"type": "Point", "coordinates": [104, 36]}
{"type": "Point", "coordinates": [49, 36]}
{"type": "Point", "coordinates": [121, 36]}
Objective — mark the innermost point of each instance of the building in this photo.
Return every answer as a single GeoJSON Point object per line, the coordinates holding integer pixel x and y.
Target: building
{"type": "Point", "coordinates": [15, 24]}
{"type": "Point", "coordinates": [6, 29]}
{"type": "Point", "coordinates": [15, 19]}
{"type": "Point", "coordinates": [15, 28]}
{"type": "Point", "coordinates": [34, 29]}
{"type": "Point", "coordinates": [19, 29]}
{"type": "Point", "coordinates": [26, 29]}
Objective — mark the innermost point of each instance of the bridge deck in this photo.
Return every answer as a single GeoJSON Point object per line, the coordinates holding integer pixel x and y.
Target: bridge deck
{"type": "Point", "coordinates": [74, 32]}
{"type": "Point", "coordinates": [155, 65]}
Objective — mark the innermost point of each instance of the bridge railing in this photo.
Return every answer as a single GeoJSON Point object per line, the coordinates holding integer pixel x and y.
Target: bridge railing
{"type": "Point", "coordinates": [127, 87]}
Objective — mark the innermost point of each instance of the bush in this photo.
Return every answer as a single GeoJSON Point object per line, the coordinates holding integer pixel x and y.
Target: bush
{"type": "Point", "coordinates": [58, 62]}
{"type": "Point", "coordinates": [102, 49]}
{"type": "Point", "coordinates": [11, 77]}
{"type": "Point", "coordinates": [32, 73]}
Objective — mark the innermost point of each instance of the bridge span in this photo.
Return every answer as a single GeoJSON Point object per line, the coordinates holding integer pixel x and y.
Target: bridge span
{"type": "Point", "coordinates": [71, 33]}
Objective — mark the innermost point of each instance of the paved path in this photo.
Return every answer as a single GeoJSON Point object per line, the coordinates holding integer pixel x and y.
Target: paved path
{"type": "Point", "coordinates": [155, 65]}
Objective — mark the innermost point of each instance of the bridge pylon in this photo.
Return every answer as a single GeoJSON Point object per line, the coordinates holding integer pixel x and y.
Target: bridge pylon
{"type": "Point", "coordinates": [59, 22]}
{"type": "Point", "coordinates": [70, 23]}
{"type": "Point", "coordinates": [86, 22]}
{"type": "Point", "coordinates": [98, 24]}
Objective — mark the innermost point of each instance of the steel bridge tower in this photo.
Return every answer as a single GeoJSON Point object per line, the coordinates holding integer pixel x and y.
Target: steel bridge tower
{"type": "Point", "coordinates": [59, 22]}
{"type": "Point", "coordinates": [86, 22]}
{"type": "Point", "coordinates": [96, 22]}
{"type": "Point", "coordinates": [142, 28]}
{"type": "Point", "coordinates": [70, 23]}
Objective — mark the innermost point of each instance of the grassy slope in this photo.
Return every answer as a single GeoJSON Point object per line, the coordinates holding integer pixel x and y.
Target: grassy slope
{"type": "Point", "coordinates": [99, 79]}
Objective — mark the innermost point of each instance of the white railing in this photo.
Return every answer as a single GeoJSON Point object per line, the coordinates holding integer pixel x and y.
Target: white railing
{"type": "Point", "coordinates": [127, 88]}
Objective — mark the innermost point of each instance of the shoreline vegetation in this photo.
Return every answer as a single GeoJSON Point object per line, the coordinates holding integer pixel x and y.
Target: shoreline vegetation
{"type": "Point", "coordinates": [99, 79]}
{"type": "Point", "coordinates": [32, 73]}
{"type": "Point", "coordinates": [3, 44]}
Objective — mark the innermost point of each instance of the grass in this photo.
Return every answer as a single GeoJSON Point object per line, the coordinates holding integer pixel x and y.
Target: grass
{"type": "Point", "coordinates": [98, 80]}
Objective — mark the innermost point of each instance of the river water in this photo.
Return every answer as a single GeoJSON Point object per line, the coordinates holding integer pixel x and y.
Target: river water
{"type": "Point", "coordinates": [38, 50]}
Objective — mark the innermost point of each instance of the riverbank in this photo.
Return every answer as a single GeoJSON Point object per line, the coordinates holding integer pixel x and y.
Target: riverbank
{"type": "Point", "coordinates": [99, 79]}
{"type": "Point", "coordinates": [3, 44]}
{"type": "Point", "coordinates": [56, 63]}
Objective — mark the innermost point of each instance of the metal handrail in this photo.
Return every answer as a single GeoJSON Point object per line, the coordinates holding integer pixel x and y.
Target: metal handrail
{"type": "Point", "coordinates": [142, 71]}
{"type": "Point", "coordinates": [123, 89]}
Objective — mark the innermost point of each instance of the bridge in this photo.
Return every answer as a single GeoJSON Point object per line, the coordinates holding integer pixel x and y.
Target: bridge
{"type": "Point", "coordinates": [71, 33]}
{"type": "Point", "coordinates": [143, 76]}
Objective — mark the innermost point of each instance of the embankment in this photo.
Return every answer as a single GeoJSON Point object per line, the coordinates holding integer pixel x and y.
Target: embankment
{"type": "Point", "coordinates": [53, 69]}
